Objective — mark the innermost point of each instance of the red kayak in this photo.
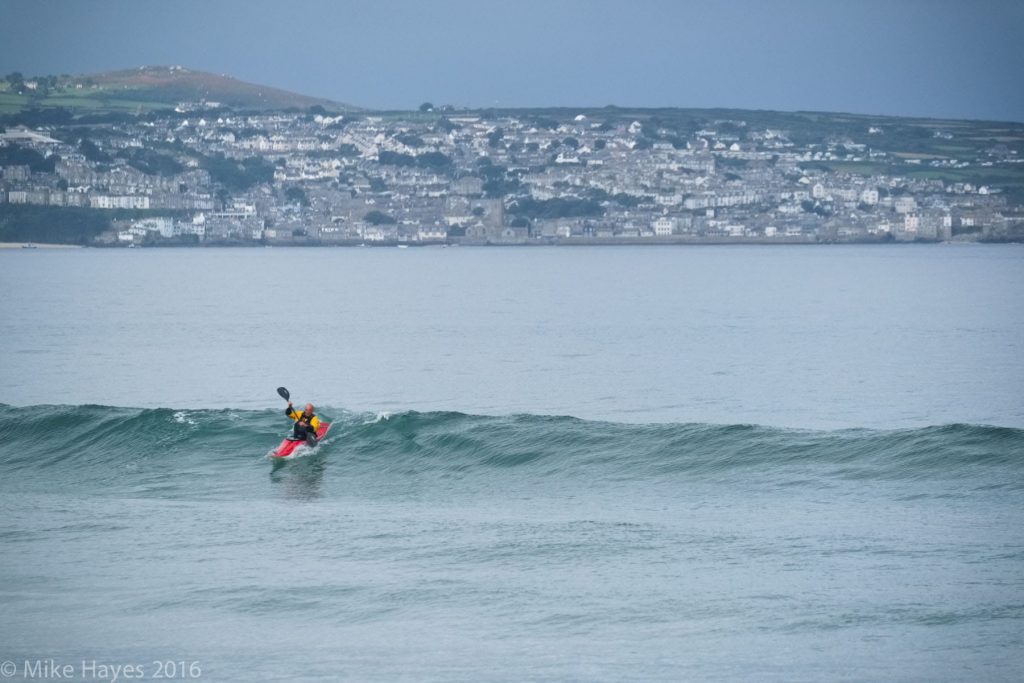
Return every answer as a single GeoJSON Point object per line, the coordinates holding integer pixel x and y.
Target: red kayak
{"type": "Point", "coordinates": [289, 445]}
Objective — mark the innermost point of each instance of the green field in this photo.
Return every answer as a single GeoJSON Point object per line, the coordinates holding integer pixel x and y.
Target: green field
{"type": "Point", "coordinates": [91, 101]}
{"type": "Point", "coordinates": [148, 88]}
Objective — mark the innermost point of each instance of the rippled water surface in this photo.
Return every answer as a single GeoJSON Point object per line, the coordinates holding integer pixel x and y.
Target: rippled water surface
{"type": "Point", "coordinates": [897, 336]}
{"type": "Point", "coordinates": [793, 464]}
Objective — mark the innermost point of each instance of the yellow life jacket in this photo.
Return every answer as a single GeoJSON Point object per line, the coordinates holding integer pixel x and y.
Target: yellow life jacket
{"type": "Point", "coordinates": [296, 415]}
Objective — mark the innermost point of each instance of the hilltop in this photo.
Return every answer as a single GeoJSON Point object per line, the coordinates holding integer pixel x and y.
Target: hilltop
{"type": "Point", "coordinates": [148, 88]}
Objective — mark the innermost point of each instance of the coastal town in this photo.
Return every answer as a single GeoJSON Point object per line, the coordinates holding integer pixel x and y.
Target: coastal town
{"type": "Point", "coordinates": [204, 174]}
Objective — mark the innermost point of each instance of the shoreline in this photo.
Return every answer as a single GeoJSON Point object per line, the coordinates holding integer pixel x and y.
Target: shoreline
{"type": "Point", "coordinates": [571, 242]}
{"type": "Point", "coordinates": [38, 245]}
{"type": "Point", "coordinates": [9, 247]}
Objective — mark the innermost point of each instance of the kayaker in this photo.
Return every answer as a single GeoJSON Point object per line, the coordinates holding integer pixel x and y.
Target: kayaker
{"type": "Point", "coordinates": [306, 422]}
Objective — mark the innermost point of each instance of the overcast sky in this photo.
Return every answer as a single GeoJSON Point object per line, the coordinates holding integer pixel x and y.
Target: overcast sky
{"type": "Point", "coordinates": [905, 57]}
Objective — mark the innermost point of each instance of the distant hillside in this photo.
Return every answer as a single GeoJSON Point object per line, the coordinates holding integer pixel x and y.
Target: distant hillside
{"type": "Point", "coordinates": [150, 87]}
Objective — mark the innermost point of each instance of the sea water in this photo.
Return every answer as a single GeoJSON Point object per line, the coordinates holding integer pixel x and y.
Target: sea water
{"type": "Point", "coordinates": [767, 463]}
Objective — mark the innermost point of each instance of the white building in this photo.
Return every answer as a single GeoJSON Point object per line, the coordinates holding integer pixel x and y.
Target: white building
{"type": "Point", "coordinates": [372, 233]}
{"type": "Point", "coordinates": [703, 201]}
{"type": "Point", "coordinates": [869, 197]}
{"type": "Point", "coordinates": [904, 204]}
{"type": "Point", "coordinates": [664, 226]}
{"type": "Point", "coordinates": [431, 234]}
{"type": "Point", "coordinates": [196, 227]}
{"type": "Point", "coordinates": [162, 225]}
{"type": "Point", "coordinates": [131, 201]}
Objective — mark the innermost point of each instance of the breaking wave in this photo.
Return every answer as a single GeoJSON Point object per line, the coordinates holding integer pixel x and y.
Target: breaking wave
{"type": "Point", "coordinates": [85, 439]}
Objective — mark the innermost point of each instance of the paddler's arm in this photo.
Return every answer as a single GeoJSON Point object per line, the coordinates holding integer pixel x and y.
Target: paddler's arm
{"type": "Point", "coordinates": [291, 412]}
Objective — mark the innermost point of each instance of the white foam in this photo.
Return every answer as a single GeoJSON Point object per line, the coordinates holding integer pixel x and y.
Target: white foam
{"type": "Point", "coordinates": [378, 417]}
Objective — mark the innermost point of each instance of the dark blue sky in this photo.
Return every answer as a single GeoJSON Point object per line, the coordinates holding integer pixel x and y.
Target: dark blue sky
{"type": "Point", "coordinates": [904, 57]}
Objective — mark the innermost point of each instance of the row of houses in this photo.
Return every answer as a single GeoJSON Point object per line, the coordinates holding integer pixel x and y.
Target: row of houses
{"type": "Point", "coordinates": [92, 199]}
{"type": "Point", "coordinates": [371, 178]}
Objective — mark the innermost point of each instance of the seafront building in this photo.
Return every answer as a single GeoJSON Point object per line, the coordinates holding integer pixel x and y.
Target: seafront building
{"type": "Point", "coordinates": [214, 177]}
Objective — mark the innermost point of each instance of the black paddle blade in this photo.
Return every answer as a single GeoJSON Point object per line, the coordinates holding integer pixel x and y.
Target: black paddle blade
{"type": "Point", "coordinates": [283, 393]}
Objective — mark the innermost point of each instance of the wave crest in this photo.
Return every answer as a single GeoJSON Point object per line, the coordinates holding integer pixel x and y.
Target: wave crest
{"type": "Point", "coordinates": [90, 436]}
